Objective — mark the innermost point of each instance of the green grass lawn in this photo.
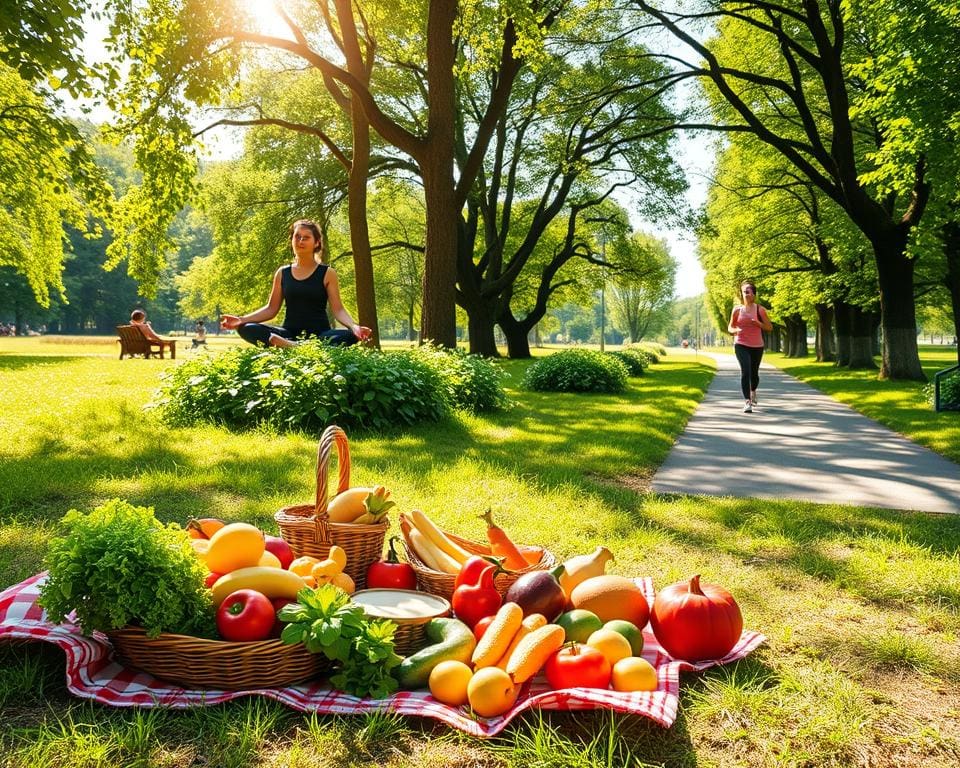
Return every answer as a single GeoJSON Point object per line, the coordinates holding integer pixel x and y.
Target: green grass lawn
{"type": "Point", "coordinates": [861, 606]}
{"type": "Point", "coordinates": [900, 405]}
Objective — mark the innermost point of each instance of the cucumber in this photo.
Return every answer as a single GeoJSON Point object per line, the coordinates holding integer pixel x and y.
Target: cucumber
{"type": "Point", "coordinates": [449, 639]}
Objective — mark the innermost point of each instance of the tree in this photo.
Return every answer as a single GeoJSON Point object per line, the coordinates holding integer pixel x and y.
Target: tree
{"type": "Point", "coordinates": [643, 286]}
{"type": "Point", "coordinates": [812, 89]}
{"type": "Point", "coordinates": [176, 63]}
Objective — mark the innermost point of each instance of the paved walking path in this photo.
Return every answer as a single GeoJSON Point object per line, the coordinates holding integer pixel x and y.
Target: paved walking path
{"type": "Point", "coordinates": [801, 444]}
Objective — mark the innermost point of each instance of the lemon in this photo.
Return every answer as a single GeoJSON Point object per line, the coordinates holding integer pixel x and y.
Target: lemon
{"type": "Point", "coordinates": [611, 644]}
{"type": "Point", "coordinates": [491, 692]}
{"type": "Point", "coordinates": [634, 674]}
{"type": "Point", "coordinates": [448, 682]}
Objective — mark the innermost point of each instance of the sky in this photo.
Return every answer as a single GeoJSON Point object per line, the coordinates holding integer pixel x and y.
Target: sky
{"type": "Point", "coordinates": [693, 155]}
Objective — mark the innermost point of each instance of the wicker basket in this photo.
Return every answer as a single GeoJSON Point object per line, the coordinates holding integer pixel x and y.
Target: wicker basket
{"type": "Point", "coordinates": [411, 634]}
{"type": "Point", "coordinates": [308, 530]}
{"type": "Point", "coordinates": [439, 583]}
{"type": "Point", "coordinates": [193, 662]}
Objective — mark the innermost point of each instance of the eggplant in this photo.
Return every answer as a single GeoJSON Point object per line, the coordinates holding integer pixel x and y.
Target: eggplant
{"type": "Point", "coordinates": [539, 592]}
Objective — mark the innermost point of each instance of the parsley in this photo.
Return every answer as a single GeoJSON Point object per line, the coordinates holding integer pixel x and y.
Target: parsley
{"type": "Point", "coordinates": [325, 621]}
{"type": "Point", "coordinates": [119, 565]}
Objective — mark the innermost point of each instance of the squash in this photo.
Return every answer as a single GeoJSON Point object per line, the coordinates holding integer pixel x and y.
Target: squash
{"type": "Point", "coordinates": [695, 621]}
{"type": "Point", "coordinates": [583, 567]}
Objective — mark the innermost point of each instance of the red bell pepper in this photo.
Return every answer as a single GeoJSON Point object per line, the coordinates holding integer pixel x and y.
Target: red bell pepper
{"type": "Point", "coordinates": [471, 569]}
{"type": "Point", "coordinates": [472, 602]}
{"type": "Point", "coordinates": [391, 573]}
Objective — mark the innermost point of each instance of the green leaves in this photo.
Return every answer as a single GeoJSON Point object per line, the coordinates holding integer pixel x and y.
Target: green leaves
{"type": "Point", "coordinates": [314, 384]}
{"type": "Point", "coordinates": [577, 370]}
{"type": "Point", "coordinates": [119, 565]}
{"type": "Point", "coordinates": [326, 622]}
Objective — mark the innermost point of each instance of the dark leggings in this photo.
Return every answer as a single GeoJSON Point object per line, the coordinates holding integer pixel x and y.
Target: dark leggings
{"type": "Point", "coordinates": [259, 333]}
{"type": "Point", "coordinates": [749, 359]}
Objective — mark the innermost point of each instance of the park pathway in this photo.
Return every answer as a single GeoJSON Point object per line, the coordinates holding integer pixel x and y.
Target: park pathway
{"type": "Point", "coordinates": [801, 444]}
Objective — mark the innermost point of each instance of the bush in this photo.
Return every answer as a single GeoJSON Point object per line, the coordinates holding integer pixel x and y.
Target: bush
{"type": "Point", "coordinates": [314, 384]}
{"type": "Point", "coordinates": [632, 359]}
{"type": "Point", "coordinates": [472, 383]}
{"type": "Point", "coordinates": [645, 352]}
{"type": "Point", "coordinates": [577, 370]}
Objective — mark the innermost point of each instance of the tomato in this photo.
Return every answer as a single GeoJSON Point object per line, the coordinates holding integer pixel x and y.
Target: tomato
{"type": "Point", "coordinates": [211, 579]}
{"type": "Point", "coordinates": [246, 615]}
{"type": "Point", "coordinates": [391, 573]}
{"type": "Point", "coordinates": [578, 666]}
{"type": "Point", "coordinates": [481, 626]}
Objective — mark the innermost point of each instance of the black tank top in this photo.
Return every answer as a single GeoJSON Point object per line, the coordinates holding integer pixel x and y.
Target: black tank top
{"type": "Point", "coordinates": [306, 301]}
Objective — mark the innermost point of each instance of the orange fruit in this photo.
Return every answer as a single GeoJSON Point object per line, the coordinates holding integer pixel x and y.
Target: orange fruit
{"type": "Point", "coordinates": [448, 682]}
{"type": "Point", "coordinates": [634, 674]}
{"type": "Point", "coordinates": [611, 644]}
{"type": "Point", "coordinates": [491, 692]}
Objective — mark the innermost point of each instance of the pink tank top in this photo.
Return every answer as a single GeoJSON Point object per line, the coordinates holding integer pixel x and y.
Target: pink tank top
{"type": "Point", "coordinates": [751, 336]}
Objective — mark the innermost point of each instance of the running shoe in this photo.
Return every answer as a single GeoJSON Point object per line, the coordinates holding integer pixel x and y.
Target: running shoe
{"type": "Point", "coordinates": [747, 408]}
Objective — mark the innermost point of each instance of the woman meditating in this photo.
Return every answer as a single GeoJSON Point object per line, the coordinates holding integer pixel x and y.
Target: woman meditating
{"type": "Point", "coordinates": [306, 286]}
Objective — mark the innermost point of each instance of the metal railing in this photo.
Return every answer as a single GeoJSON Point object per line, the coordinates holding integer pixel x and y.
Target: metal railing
{"type": "Point", "coordinates": [938, 405]}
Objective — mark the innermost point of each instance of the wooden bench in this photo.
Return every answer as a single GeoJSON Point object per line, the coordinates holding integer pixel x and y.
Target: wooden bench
{"type": "Point", "coordinates": [133, 342]}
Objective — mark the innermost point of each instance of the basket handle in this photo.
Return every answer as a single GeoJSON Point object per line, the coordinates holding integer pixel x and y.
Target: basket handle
{"type": "Point", "coordinates": [333, 436]}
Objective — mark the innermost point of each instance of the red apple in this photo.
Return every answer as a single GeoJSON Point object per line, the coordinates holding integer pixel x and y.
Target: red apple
{"type": "Point", "coordinates": [280, 548]}
{"type": "Point", "coordinates": [211, 579]}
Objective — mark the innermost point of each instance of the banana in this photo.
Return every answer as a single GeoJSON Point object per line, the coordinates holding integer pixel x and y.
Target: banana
{"type": "Point", "coordinates": [273, 582]}
{"type": "Point", "coordinates": [429, 529]}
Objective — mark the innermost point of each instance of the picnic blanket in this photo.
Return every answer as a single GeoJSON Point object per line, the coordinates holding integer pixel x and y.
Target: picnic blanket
{"type": "Point", "coordinates": [93, 673]}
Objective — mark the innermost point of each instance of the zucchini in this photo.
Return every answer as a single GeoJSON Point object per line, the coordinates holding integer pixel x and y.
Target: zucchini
{"type": "Point", "coordinates": [449, 639]}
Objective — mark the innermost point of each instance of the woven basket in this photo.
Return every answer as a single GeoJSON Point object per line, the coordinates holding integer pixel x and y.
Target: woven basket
{"type": "Point", "coordinates": [307, 527]}
{"type": "Point", "coordinates": [193, 662]}
{"type": "Point", "coordinates": [439, 583]}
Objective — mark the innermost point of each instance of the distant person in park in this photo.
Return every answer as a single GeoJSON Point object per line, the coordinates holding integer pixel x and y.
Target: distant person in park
{"type": "Point", "coordinates": [747, 322]}
{"type": "Point", "coordinates": [307, 286]}
{"type": "Point", "coordinates": [199, 335]}
{"type": "Point", "coordinates": [139, 318]}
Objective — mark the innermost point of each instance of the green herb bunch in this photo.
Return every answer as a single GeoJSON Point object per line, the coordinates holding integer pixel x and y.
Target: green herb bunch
{"type": "Point", "coordinates": [119, 565]}
{"type": "Point", "coordinates": [326, 622]}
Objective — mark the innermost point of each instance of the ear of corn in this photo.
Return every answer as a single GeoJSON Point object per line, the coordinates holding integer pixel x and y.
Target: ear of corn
{"type": "Point", "coordinates": [532, 622]}
{"type": "Point", "coordinates": [498, 636]}
{"type": "Point", "coordinates": [533, 651]}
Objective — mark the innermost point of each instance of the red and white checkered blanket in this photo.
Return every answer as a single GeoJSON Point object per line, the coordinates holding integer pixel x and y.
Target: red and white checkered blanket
{"type": "Point", "coordinates": [93, 673]}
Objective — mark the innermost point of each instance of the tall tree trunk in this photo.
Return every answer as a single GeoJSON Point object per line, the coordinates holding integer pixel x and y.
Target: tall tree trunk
{"type": "Point", "coordinates": [861, 338]}
{"type": "Point", "coordinates": [359, 231]}
{"type": "Point", "coordinates": [796, 336]}
{"type": "Point", "coordinates": [517, 335]}
{"type": "Point", "coordinates": [826, 349]}
{"type": "Point", "coordinates": [901, 356]}
{"type": "Point", "coordinates": [438, 320]}
{"type": "Point", "coordinates": [481, 323]}
{"type": "Point", "coordinates": [841, 314]}
{"type": "Point", "coordinates": [951, 279]}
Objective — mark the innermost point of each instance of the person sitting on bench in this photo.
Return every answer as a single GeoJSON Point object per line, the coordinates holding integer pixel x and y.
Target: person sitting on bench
{"type": "Point", "coordinates": [199, 335]}
{"type": "Point", "coordinates": [139, 318]}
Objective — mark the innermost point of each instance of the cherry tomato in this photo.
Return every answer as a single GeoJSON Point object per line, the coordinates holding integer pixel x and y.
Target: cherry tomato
{"type": "Point", "coordinates": [481, 626]}
{"type": "Point", "coordinates": [578, 666]}
{"type": "Point", "coordinates": [211, 579]}
{"type": "Point", "coordinates": [391, 573]}
{"type": "Point", "coordinates": [246, 615]}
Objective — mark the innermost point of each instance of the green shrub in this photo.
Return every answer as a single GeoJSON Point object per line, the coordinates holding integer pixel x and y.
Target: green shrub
{"type": "Point", "coordinates": [472, 382]}
{"type": "Point", "coordinates": [577, 370]}
{"type": "Point", "coordinates": [646, 352]}
{"type": "Point", "coordinates": [314, 384]}
{"type": "Point", "coordinates": [633, 360]}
